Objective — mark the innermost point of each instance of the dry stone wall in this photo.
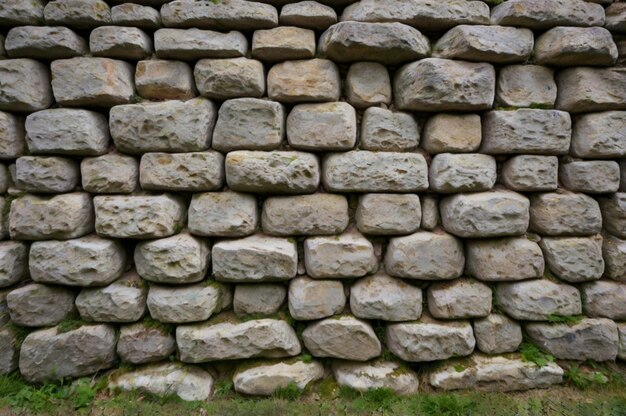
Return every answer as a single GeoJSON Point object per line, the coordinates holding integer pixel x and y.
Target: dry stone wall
{"type": "Point", "coordinates": [280, 192]}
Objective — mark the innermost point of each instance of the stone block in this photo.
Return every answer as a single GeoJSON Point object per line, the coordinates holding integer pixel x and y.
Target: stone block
{"type": "Point", "coordinates": [36, 305]}
{"type": "Point", "coordinates": [564, 214]}
{"type": "Point", "coordinates": [368, 84]}
{"type": "Point", "coordinates": [599, 135]}
{"type": "Point", "coordinates": [456, 133]}
{"type": "Point", "coordinates": [575, 96]}
{"type": "Point", "coordinates": [388, 131]}
{"type": "Point", "coordinates": [537, 300]}
{"type": "Point", "coordinates": [531, 173]}
{"type": "Point", "coordinates": [526, 86]}
{"type": "Point", "coordinates": [544, 14]}
{"type": "Point", "coordinates": [124, 300]}
{"type": "Point", "coordinates": [110, 174]}
{"type": "Point", "coordinates": [504, 259]}
{"type": "Point", "coordinates": [141, 343]}
{"type": "Point", "coordinates": [51, 174]}
{"type": "Point", "coordinates": [77, 14]}
{"type": "Point", "coordinates": [157, 79]}
{"type": "Point", "coordinates": [343, 337]}
{"type": "Point", "coordinates": [497, 334]}
{"type": "Point", "coordinates": [184, 304]}
{"type": "Point", "coordinates": [13, 263]}
{"type": "Point", "coordinates": [308, 14]}
{"type": "Point", "coordinates": [315, 299]}
{"type": "Point", "coordinates": [193, 44]}
{"type": "Point", "coordinates": [24, 85]}
{"type": "Point", "coordinates": [136, 15]}
{"type": "Point", "coordinates": [264, 379]}
{"type": "Point", "coordinates": [312, 80]}
{"type": "Point", "coordinates": [258, 298]}
{"type": "Point", "coordinates": [129, 43]}
{"type": "Point", "coordinates": [385, 298]}
{"type": "Point", "coordinates": [388, 214]}
{"type": "Point", "coordinates": [322, 127]}
{"type": "Point", "coordinates": [576, 46]}
{"type": "Point", "coordinates": [590, 176]}
{"type": "Point", "coordinates": [451, 173]}
{"type": "Point", "coordinates": [44, 42]}
{"type": "Point", "coordinates": [193, 172]}
{"type": "Point", "coordinates": [347, 255]}
{"type": "Point", "coordinates": [459, 299]}
{"type": "Point", "coordinates": [283, 43]}
{"type": "Point", "coordinates": [230, 78]}
{"type": "Point", "coordinates": [223, 214]}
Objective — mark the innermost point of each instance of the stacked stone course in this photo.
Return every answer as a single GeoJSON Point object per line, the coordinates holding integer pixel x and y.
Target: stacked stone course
{"type": "Point", "coordinates": [280, 192]}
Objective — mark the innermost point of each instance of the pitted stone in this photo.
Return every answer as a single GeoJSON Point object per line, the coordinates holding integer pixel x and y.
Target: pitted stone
{"type": "Point", "coordinates": [322, 127]}
{"type": "Point", "coordinates": [504, 259]}
{"type": "Point", "coordinates": [388, 131]}
{"type": "Point", "coordinates": [497, 334]}
{"type": "Point", "coordinates": [157, 79]}
{"type": "Point", "coordinates": [343, 337]}
{"type": "Point", "coordinates": [230, 78]}
{"type": "Point", "coordinates": [36, 305]}
{"type": "Point", "coordinates": [50, 174]}
{"type": "Point", "coordinates": [193, 171]}
{"type": "Point", "coordinates": [459, 299]}
{"type": "Point", "coordinates": [454, 133]}
{"type": "Point", "coordinates": [313, 80]}
{"type": "Point", "coordinates": [223, 214]}
{"type": "Point", "coordinates": [56, 42]}
{"type": "Point", "coordinates": [283, 43]}
{"type": "Point", "coordinates": [544, 14]}
{"type": "Point", "coordinates": [576, 46]}
{"type": "Point", "coordinates": [110, 174]}
{"type": "Point", "coordinates": [531, 173]}
{"type": "Point", "coordinates": [24, 85]}
{"type": "Point", "coordinates": [129, 43]}
{"type": "Point", "coordinates": [388, 214]}
{"type": "Point", "coordinates": [387, 298]}
{"type": "Point", "coordinates": [315, 299]}
{"type": "Point", "coordinates": [564, 214]}
{"type": "Point", "coordinates": [536, 300]}
{"type": "Point", "coordinates": [78, 14]}
{"type": "Point", "coordinates": [193, 44]}
{"type": "Point", "coordinates": [184, 304]}
{"type": "Point", "coordinates": [347, 255]}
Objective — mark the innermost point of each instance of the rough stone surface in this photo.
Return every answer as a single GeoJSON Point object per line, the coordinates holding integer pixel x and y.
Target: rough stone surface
{"type": "Point", "coordinates": [347, 255]}
{"type": "Point", "coordinates": [9, 353]}
{"type": "Point", "coordinates": [47, 42]}
{"type": "Point", "coordinates": [543, 14]}
{"type": "Point", "coordinates": [258, 298]}
{"type": "Point", "coordinates": [130, 14]}
{"type": "Point", "coordinates": [613, 208]}
{"type": "Point", "coordinates": [376, 374]}
{"type": "Point", "coordinates": [313, 80]}
{"type": "Point", "coordinates": [230, 78]}
{"type": "Point", "coordinates": [110, 174]}
{"type": "Point", "coordinates": [36, 305]}
{"type": "Point", "coordinates": [388, 214]}
{"type": "Point", "coordinates": [451, 173]}
{"type": "Point", "coordinates": [194, 171]}
{"type": "Point", "coordinates": [79, 14]}
{"type": "Point", "coordinates": [526, 86]}
{"type": "Point", "coordinates": [576, 46]}
{"type": "Point", "coordinates": [384, 130]}
{"type": "Point", "coordinates": [46, 174]}
{"type": "Point", "coordinates": [129, 43]}
{"type": "Point", "coordinates": [531, 173]}
{"type": "Point", "coordinates": [194, 44]}
{"type": "Point", "coordinates": [140, 343]}
{"type": "Point", "coordinates": [564, 214]}
{"type": "Point", "coordinates": [18, 12]}
{"type": "Point", "coordinates": [283, 43]}
{"type": "Point", "coordinates": [222, 214]}
{"type": "Point", "coordinates": [536, 300]}
{"type": "Point", "coordinates": [24, 85]}
{"type": "Point", "coordinates": [265, 379]}
{"type": "Point", "coordinates": [459, 299]}
{"type": "Point", "coordinates": [308, 14]}
{"type": "Point", "coordinates": [504, 259]}
{"type": "Point", "coordinates": [497, 334]}
{"type": "Point", "coordinates": [574, 259]}
{"type": "Point", "coordinates": [164, 80]}
{"type": "Point", "coordinates": [604, 299]}
{"type": "Point", "coordinates": [385, 298]}
{"type": "Point", "coordinates": [599, 135]}
{"type": "Point", "coordinates": [455, 133]}
{"type": "Point", "coordinates": [368, 84]}
{"type": "Point", "coordinates": [322, 127]}
{"type": "Point", "coordinates": [184, 304]}
{"type": "Point", "coordinates": [13, 262]}
{"type": "Point", "coordinates": [585, 89]}
{"type": "Point", "coordinates": [614, 253]}
{"type": "Point", "coordinates": [343, 337]}
{"type": "Point", "coordinates": [314, 299]}
{"type": "Point", "coordinates": [12, 144]}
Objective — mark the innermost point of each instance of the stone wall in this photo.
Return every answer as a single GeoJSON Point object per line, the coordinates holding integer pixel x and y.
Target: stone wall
{"type": "Point", "coordinates": [348, 190]}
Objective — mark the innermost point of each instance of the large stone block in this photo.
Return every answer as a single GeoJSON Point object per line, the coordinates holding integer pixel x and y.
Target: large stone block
{"type": "Point", "coordinates": [313, 80]}
{"type": "Point", "coordinates": [544, 14]}
{"type": "Point", "coordinates": [223, 214]}
{"type": "Point", "coordinates": [264, 379]}
{"type": "Point", "coordinates": [387, 43]}
{"type": "Point", "coordinates": [168, 126]}
{"type": "Point", "coordinates": [531, 173]}
{"type": "Point", "coordinates": [86, 261]}
{"type": "Point", "coordinates": [590, 176]}
{"type": "Point", "coordinates": [181, 258]}
{"type": "Point", "coordinates": [614, 253]}
{"type": "Point", "coordinates": [459, 299]}
{"type": "Point", "coordinates": [347, 255]}
{"type": "Point", "coordinates": [504, 259]}
{"type": "Point", "coordinates": [9, 350]}
{"type": "Point", "coordinates": [613, 208]}
{"type": "Point", "coordinates": [574, 259]}
{"type": "Point", "coordinates": [230, 78]}
{"type": "Point", "coordinates": [142, 343]}
{"type": "Point", "coordinates": [194, 44]}
{"type": "Point", "coordinates": [615, 17]}
{"type": "Point", "coordinates": [210, 341]}
{"type": "Point", "coordinates": [452, 173]}
{"type": "Point", "coordinates": [604, 299]}
{"type": "Point", "coordinates": [44, 42]}
{"type": "Point", "coordinates": [67, 131]}
{"type": "Point", "coordinates": [454, 133]}
{"type": "Point", "coordinates": [368, 84]}
{"type": "Point", "coordinates": [280, 172]}
{"type": "Point", "coordinates": [149, 216]}
{"type": "Point", "coordinates": [343, 337]}
{"type": "Point", "coordinates": [425, 256]}
{"type": "Point", "coordinates": [576, 46]}
{"type": "Point", "coordinates": [184, 304]}
{"type": "Point", "coordinates": [13, 263]}
{"type": "Point", "coordinates": [194, 171]}
{"type": "Point", "coordinates": [78, 14]}
{"type": "Point", "coordinates": [51, 355]}
{"type": "Point", "coordinates": [376, 374]}
{"type": "Point", "coordinates": [564, 214]}
{"type": "Point", "coordinates": [50, 174]}
{"type": "Point", "coordinates": [385, 298]}
{"type": "Point", "coordinates": [12, 144]}
{"type": "Point", "coordinates": [322, 127]}
{"type": "Point", "coordinates": [526, 86]}
{"type": "Point", "coordinates": [315, 299]}
{"type": "Point", "coordinates": [157, 79]}
{"type": "Point", "coordinates": [575, 96]}
{"type": "Point", "coordinates": [316, 214]}
{"type": "Point", "coordinates": [131, 14]}
{"type": "Point", "coordinates": [19, 12]}
{"type": "Point", "coordinates": [435, 84]}
{"type": "Point", "coordinates": [526, 131]}
{"type": "Point", "coordinates": [388, 131]}
{"type": "Point", "coordinates": [308, 14]}
{"type": "Point", "coordinates": [497, 334]}
{"type": "Point", "coordinates": [110, 174]}
{"type": "Point", "coordinates": [283, 43]}
{"type": "Point", "coordinates": [129, 43]}
{"type": "Point", "coordinates": [536, 300]}
{"type": "Point", "coordinates": [24, 85]}
{"type": "Point", "coordinates": [233, 14]}
{"type": "Point", "coordinates": [59, 217]}
{"type": "Point", "coordinates": [36, 305]}
{"type": "Point", "coordinates": [599, 135]}
{"type": "Point", "coordinates": [388, 214]}
{"type": "Point", "coordinates": [255, 258]}
{"type": "Point", "coordinates": [259, 298]}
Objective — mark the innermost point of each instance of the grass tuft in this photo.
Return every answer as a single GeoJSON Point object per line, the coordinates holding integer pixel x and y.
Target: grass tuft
{"type": "Point", "coordinates": [568, 320]}
{"type": "Point", "coordinates": [531, 353]}
{"type": "Point", "coordinates": [290, 392]}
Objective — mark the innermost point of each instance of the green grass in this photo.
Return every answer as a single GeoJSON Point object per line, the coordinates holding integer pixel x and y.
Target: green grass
{"type": "Point", "coordinates": [290, 392]}
{"type": "Point", "coordinates": [568, 320]}
{"type": "Point", "coordinates": [531, 353]}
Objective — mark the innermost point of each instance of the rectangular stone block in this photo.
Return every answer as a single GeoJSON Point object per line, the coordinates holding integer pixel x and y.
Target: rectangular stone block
{"type": "Point", "coordinates": [78, 14]}
{"type": "Point", "coordinates": [454, 133]}
{"type": "Point", "coordinates": [195, 171]}
{"type": "Point", "coordinates": [165, 80]}
{"type": "Point", "coordinates": [388, 131]}
{"type": "Point", "coordinates": [322, 127]}
{"type": "Point", "coordinates": [24, 85]}
{"type": "Point", "coordinates": [599, 135]}
{"type": "Point", "coordinates": [530, 173]}
{"type": "Point", "coordinates": [13, 265]}
{"type": "Point", "coordinates": [575, 96]}
{"type": "Point", "coordinates": [110, 174]}
{"type": "Point", "coordinates": [388, 214]}
{"type": "Point", "coordinates": [12, 132]}
{"type": "Point", "coordinates": [312, 80]}
{"type": "Point", "coordinates": [51, 174]}
{"type": "Point", "coordinates": [283, 43]}
{"type": "Point", "coordinates": [223, 214]}
{"type": "Point", "coordinates": [44, 42]}
{"type": "Point", "coordinates": [234, 14]}
{"type": "Point", "coordinates": [526, 86]}
{"type": "Point", "coordinates": [194, 44]}
{"type": "Point", "coordinates": [544, 14]}
{"type": "Point", "coordinates": [564, 213]}
{"type": "Point", "coordinates": [230, 78]}
{"type": "Point", "coordinates": [590, 176]}
{"type": "Point", "coordinates": [128, 43]}
{"type": "Point", "coordinates": [469, 172]}
{"type": "Point", "coordinates": [131, 14]}
{"type": "Point", "coordinates": [347, 255]}
{"type": "Point", "coordinates": [19, 12]}
{"type": "Point", "coordinates": [504, 259]}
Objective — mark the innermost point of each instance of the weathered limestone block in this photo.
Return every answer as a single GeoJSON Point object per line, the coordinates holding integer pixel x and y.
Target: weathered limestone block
{"type": "Point", "coordinates": [388, 131]}
{"type": "Point", "coordinates": [9, 351]}
{"type": "Point", "coordinates": [258, 298]}
{"type": "Point", "coordinates": [455, 133]}
{"type": "Point", "coordinates": [279, 172]}
{"type": "Point", "coordinates": [385, 298]}
{"type": "Point", "coordinates": [459, 299]}
{"type": "Point", "coordinates": [322, 127]}
{"type": "Point", "coordinates": [576, 46]}
{"type": "Point", "coordinates": [124, 300]}
{"type": "Point", "coordinates": [526, 86]}
{"type": "Point", "coordinates": [591, 176]}
{"type": "Point", "coordinates": [435, 84]}
{"type": "Point", "coordinates": [599, 135]}
{"type": "Point", "coordinates": [44, 42]}
{"type": "Point", "coordinates": [148, 216]}
{"type": "Point", "coordinates": [168, 126]}
{"type": "Point", "coordinates": [347, 255]}
{"type": "Point", "coordinates": [19, 12]}
{"type": "Point", "coordinates": [270, 338]}
{"type": "Point", "coordinates": [591, 339]}
{"type": "Point", "coordinates": [164, 379]}
{"type": "Point", "coordinates": [544, 14]}
{"type": "Point", "coordinates": [451, 173]}
{"type": "Point", "coordinates": [283, 43]}
{"type": "Point", "coordinates": [67, 131]}
{"type": "Point", "coordinates": [179, 259]}
{"type": "Point", "coordinates": [604, 299]}
{"type": "Point", "coordinates": [230, 78]}
{"type": "Point", "coordinates": [376, 374]}
{"type": "Point", "coordinates": [50, 174]}
{"type": "Point", "coordinates": [110, 174]}
{"type": "Point", "coordinates": [613, 208]}
{"type": "Point", "coordinates": [564, 214]}
{"type": "Point", "coordinates": [425, 256]}
{"type": "Point", "coordinates": [142, 343]}
{"type": "Point", "coordinates": [136, 15]}
{"type": "Point", "coordinates": [264, 379]}
{"type": "Point", "coordinates": [129, 43]}
{"type": "Point", "coordinates": [386, 43]}
{"type": "Point", "coordinates": [368, 84]}
{"type": "Point", "coordinates": [12, 144]}
{"type": "Point", "coordinates": [157, 79]}
{"type": "Point", "coordinates": [526, 131]}
{"type": "Point", "coordinates": [194, 44]}
{"type": "Point", "coordinates": [424, 16]}
{"type": "Point", "coordinates": [85, 261]}
{"type": "Point", "coordinates": [500, 373]}
{"type": "Point", "coordinates": [485, 214]}
{"type": "Point", "coordinates": [308, 14]}
{"type": "Point", "coordinates": [430, 340]}
{"type": "Point", "coordinates": [365, 171]}
{"type": "Point", "coordinates": [504, 259]}
{"type": "Point", "coordinates": [343, 337]}
{"type": "Point", "coordinates": [312, 80]}
{"type": "Point", "coordinates": [79, 14]}
{"type": "Point", "coordinates": [249, 124]}
{"type": "Point", "coordinates": [536, 300]}
{"type": "Point", "coordinates": [194, 171]}
{"type": "Point", "coordinates": [223, 214]}
{"type": "Point", "coordinates": [255, 259]}
{"type": "Point", "coordinates": [531, 173]}
{"type": "Point", "coordinates": [574, 259]}
{"type": "Point", "coordinates": [184, 304]}
{"type": "Point", "coordinates": [316, 214]}
{"type": "Point", "coordinates": [24, 85]}
{"type": "Point", "coordinates": [40, 305]}
{"type": "Point", "coordinates": [583, 89]}
{"type": "Point", "coordinates": [48, 354]}
{"type": "Point", "coordinates": [615, 17]}
{"type": "Point", "coordinates": [92, 82]}
{"type": "Point", "coordinates": [614, 253]}
{"type": "Point", "coordinates": [224, 15]}
{"type": "Point", "coordinates": [13, 263]}
{"type": "Point", "coordinates": [59, 217]}
{"type": "Point", "coordinates": [497, 334]}
{"type": "Point", "coordinates": [430, 212]}
{"type": "Point", "coordinates": [497, 44]}
{"type": "Point", "coordinates": [388, 214]}
{"type": "Point", "coordinates": [315, 299]}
